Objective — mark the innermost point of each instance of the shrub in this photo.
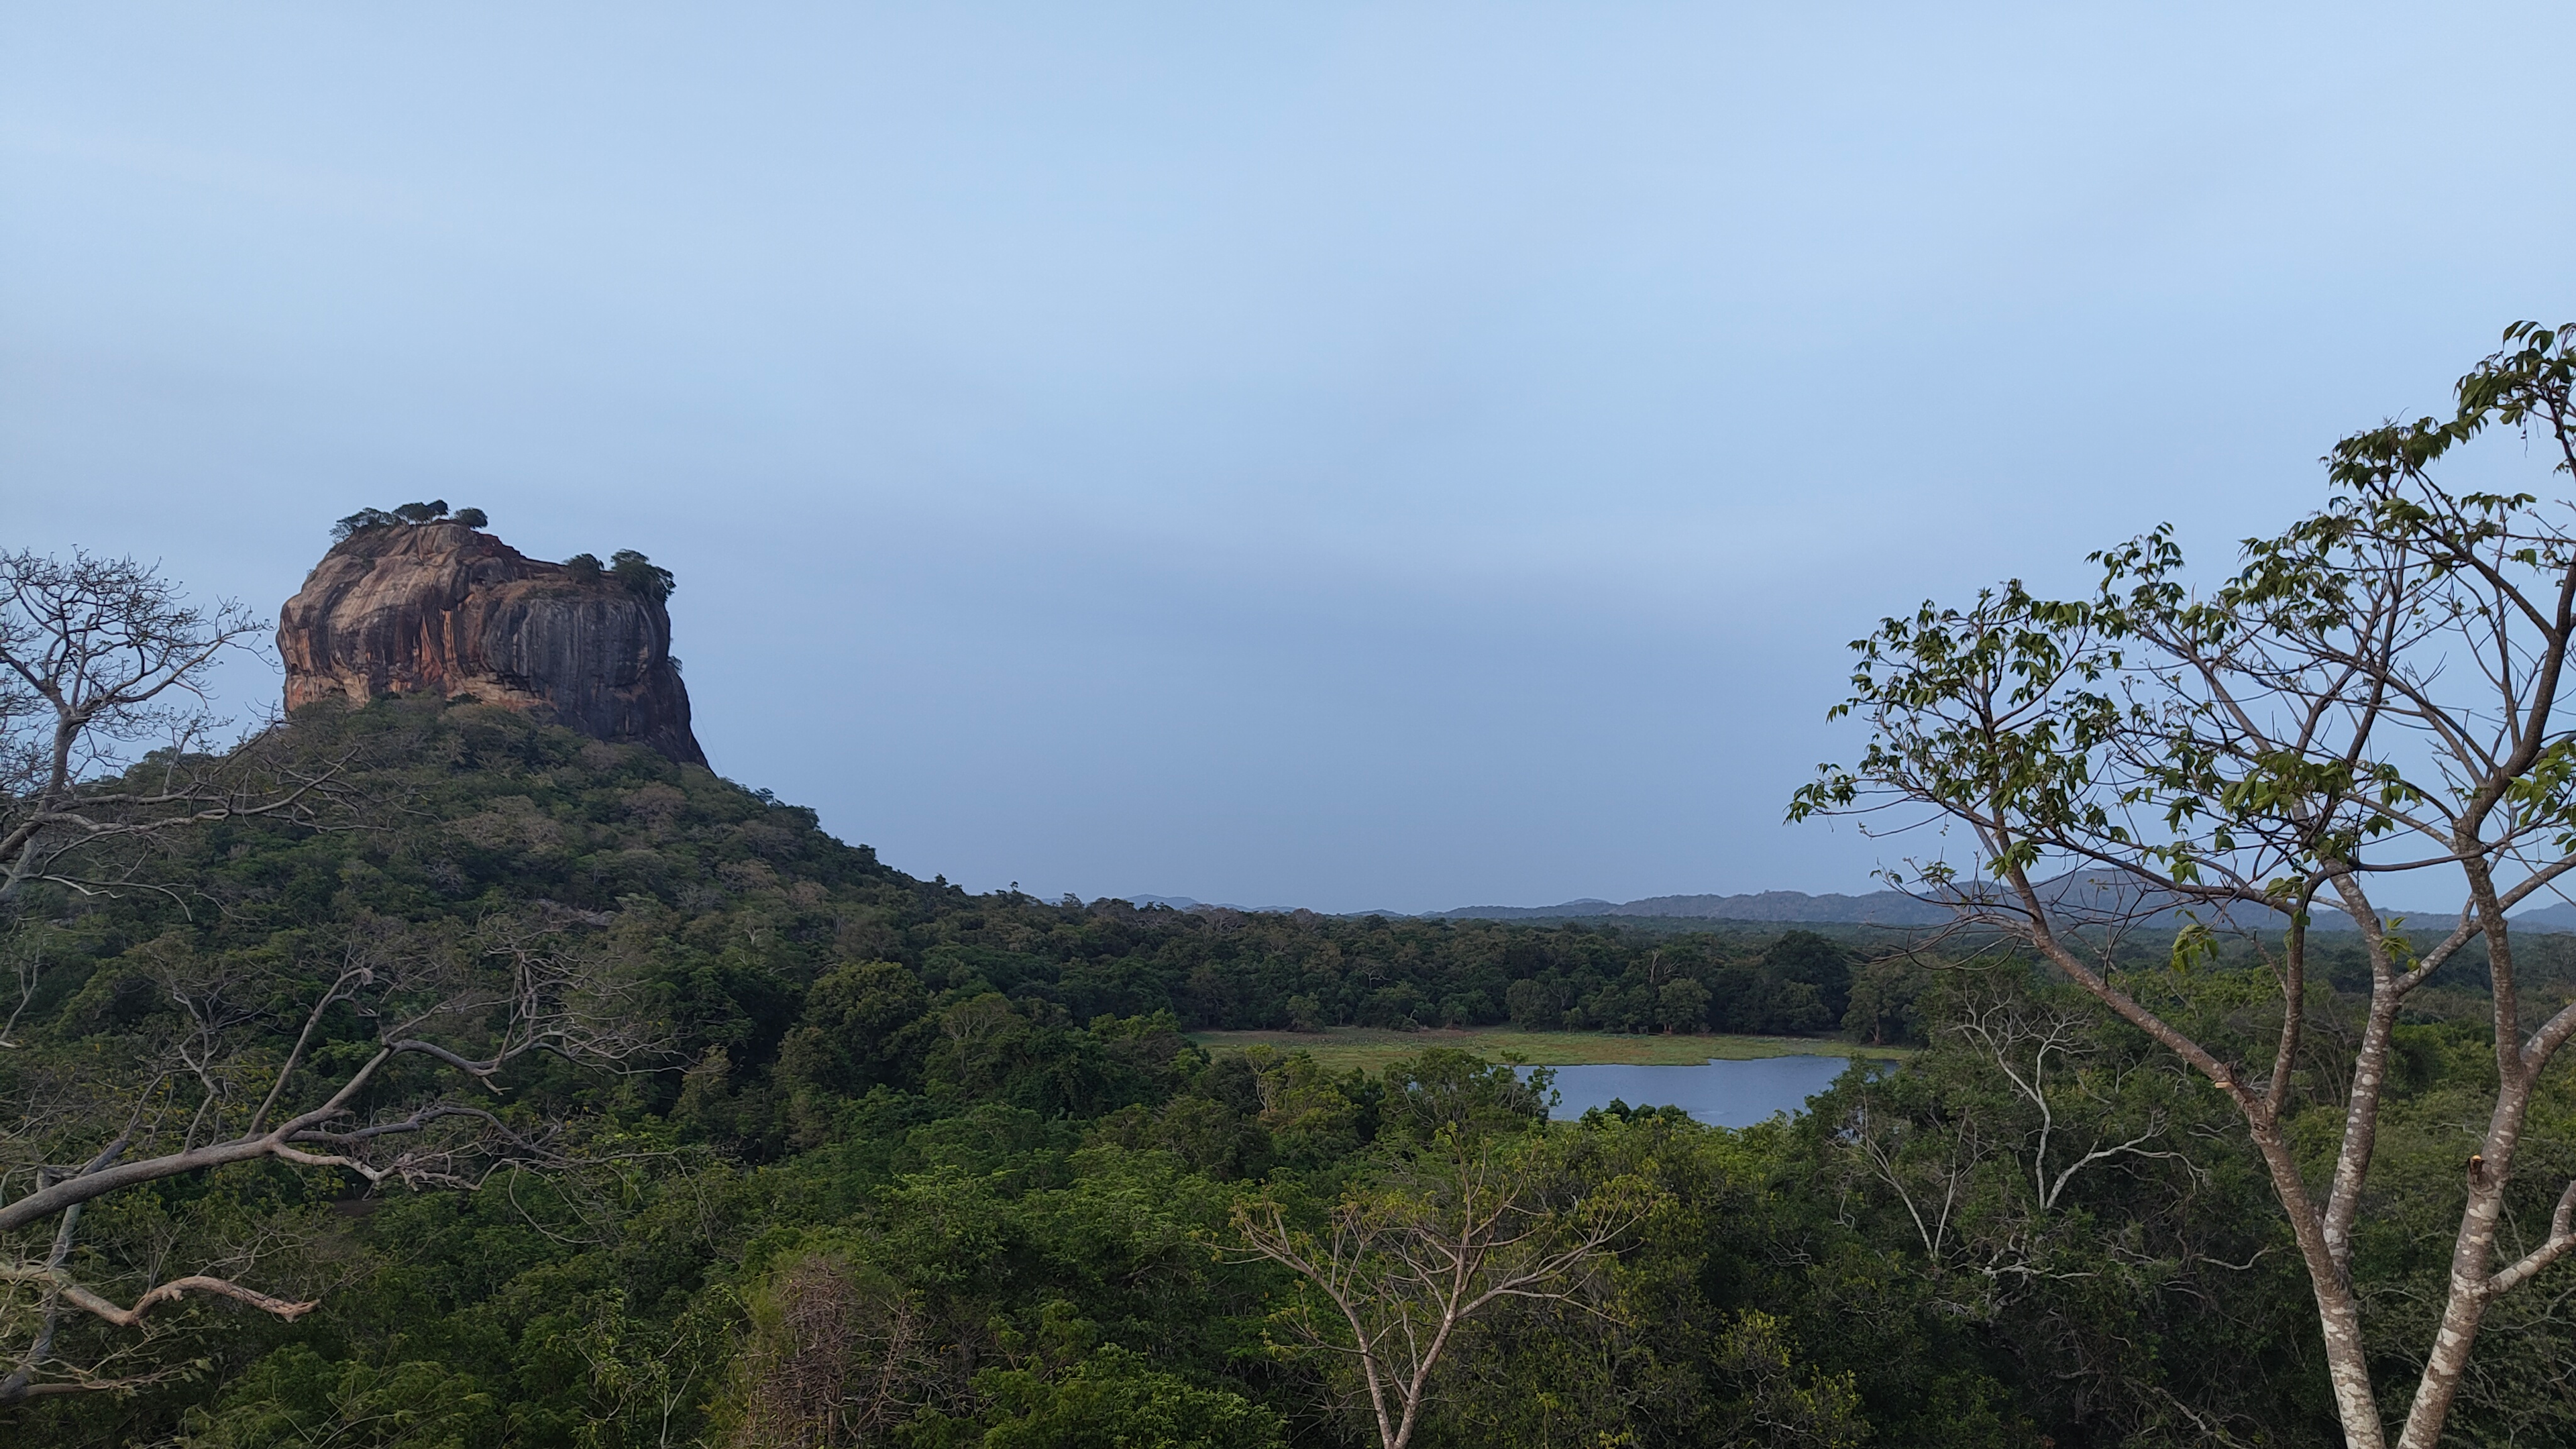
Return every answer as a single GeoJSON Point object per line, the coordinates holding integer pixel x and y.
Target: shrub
{"type": "Point", "coordinates": [360, 521]}
{"type": "Point", "coordinates": [640, 575]}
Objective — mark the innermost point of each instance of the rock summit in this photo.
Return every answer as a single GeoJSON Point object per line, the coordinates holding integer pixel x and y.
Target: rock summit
{"type": "Point", "coordinates": [443, 608]}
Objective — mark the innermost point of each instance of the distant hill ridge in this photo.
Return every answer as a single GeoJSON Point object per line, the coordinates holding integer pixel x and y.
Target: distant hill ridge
{"type": "Point", "coordinates": [1876, 908]}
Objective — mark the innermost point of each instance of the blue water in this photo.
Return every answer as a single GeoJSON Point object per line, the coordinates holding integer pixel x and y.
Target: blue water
{"type": "Point", "coordinates": [1722, 1094]}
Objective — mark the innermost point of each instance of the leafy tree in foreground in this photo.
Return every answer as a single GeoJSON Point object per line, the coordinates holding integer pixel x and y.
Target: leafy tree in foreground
{"type": "Point", "coordinates": [2372, 703]}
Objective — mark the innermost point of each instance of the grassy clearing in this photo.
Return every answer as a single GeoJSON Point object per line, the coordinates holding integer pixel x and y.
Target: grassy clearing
{"type": "Point", "coordinates": [1372, 1049]}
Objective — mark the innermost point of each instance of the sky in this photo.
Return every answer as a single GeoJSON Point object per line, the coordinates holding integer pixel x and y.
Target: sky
{"type": "Point", "coordinates": [1358, 456]}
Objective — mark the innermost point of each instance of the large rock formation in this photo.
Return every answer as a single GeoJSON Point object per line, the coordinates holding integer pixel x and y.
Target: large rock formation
{"type": "Point", "coordinates": [445, 609]}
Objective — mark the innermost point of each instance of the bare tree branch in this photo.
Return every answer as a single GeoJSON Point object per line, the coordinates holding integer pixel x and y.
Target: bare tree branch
{"type": "Point", "coordinates": [101, 659]}
{"type": "Point", "coordinates": [435, 1018]}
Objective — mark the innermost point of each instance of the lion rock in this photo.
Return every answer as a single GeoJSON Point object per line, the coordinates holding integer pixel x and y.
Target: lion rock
{"type": "Point", "coordinates": [445, 609]}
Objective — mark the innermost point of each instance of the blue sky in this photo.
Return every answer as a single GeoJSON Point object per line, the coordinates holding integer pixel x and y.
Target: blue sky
{"type": "Point", "coordinates": [1355, 456]}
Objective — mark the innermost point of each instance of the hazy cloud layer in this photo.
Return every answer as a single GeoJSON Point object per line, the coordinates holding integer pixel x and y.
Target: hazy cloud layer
{"type": "Point", "coordinates": [1367, 456]}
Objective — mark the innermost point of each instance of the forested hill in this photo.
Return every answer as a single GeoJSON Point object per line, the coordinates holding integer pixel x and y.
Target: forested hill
{"type": "Point", "coordinates": [807, 1007]}
{"type": "Point", "coordinates": [827, 1155]}
{"type": "Point", "coordinates": [746, 903]}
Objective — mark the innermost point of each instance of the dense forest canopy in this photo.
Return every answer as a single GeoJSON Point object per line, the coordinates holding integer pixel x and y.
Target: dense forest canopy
{"type": "Point", "coordinates": [425, 1073]}
{"type": "Point", "coordinates": [920, 1166]}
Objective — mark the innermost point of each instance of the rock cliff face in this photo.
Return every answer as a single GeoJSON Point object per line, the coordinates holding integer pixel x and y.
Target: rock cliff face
{"type": "Point", "coordinates": [446, 609]}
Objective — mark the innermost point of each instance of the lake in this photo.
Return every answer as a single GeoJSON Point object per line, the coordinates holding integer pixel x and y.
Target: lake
{"type": "Point", "coordinates": [1720, 1093]}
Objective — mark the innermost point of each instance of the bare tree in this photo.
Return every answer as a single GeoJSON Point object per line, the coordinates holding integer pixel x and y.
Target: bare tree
{"type": "Point", "coordinates": [2028, 1041]}
{"type": "Point", "coordinates": [837, 1356]}
{"type": "Point", "coordinates": [425, 1032]}
{"type": "Point", "coordinates": [1991, 1149]}
{"type": "Point", "coordinates": [1401, 1267]}
{"type": "Point", "coordinates": [2374, 698]}
{"type": "Point", "coordinates": [100, 657]}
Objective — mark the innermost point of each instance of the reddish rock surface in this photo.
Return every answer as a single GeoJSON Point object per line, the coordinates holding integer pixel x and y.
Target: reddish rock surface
{"type": "Point", "coordinates": [440, 608]}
